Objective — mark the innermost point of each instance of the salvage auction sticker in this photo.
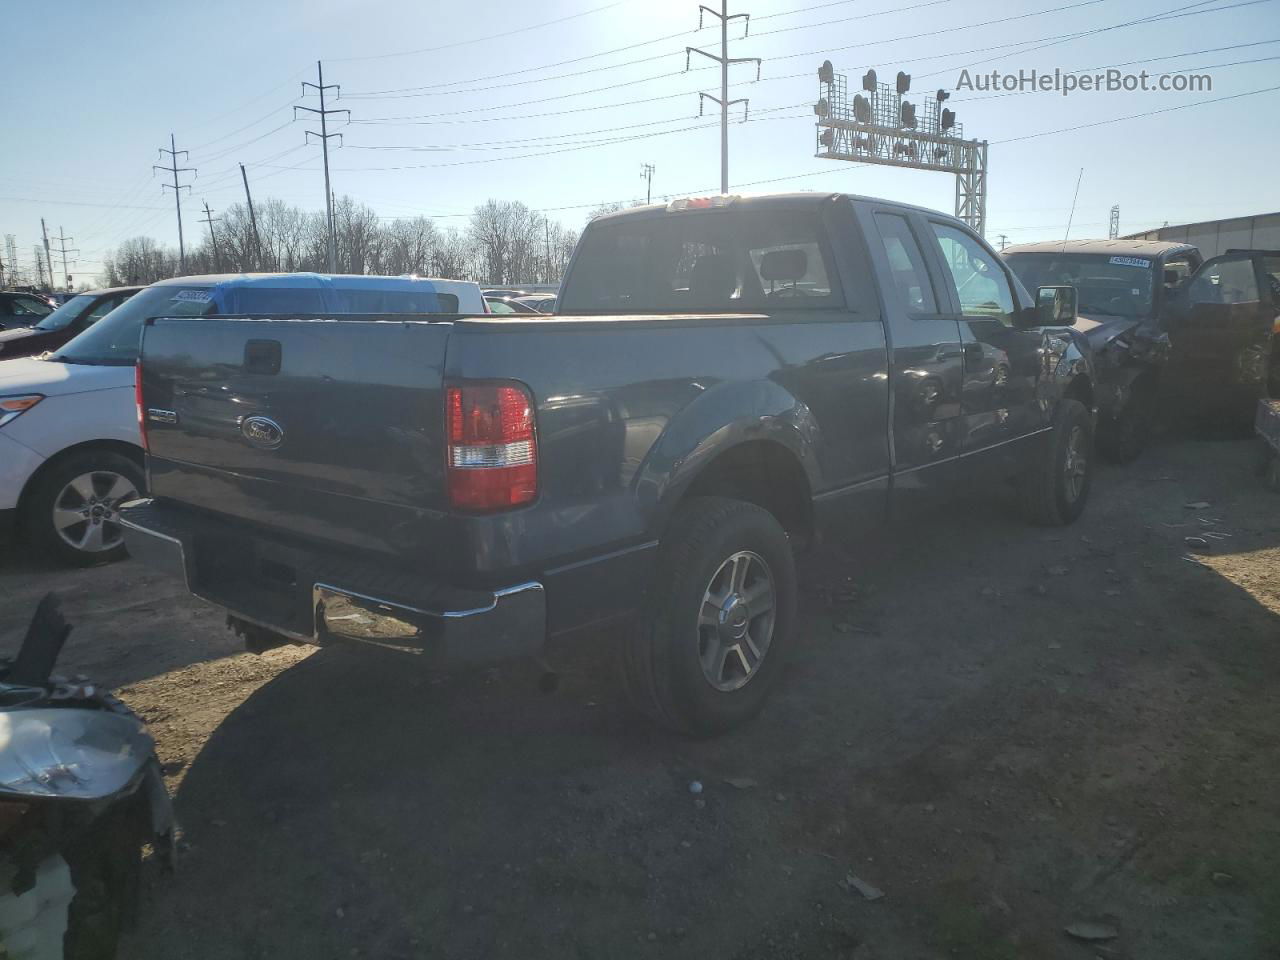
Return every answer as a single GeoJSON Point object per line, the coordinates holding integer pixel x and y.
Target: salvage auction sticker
{"type": "Point", "coordinates": [192, 296]}
{"type": "Point", "coordinates": [1130, 262]}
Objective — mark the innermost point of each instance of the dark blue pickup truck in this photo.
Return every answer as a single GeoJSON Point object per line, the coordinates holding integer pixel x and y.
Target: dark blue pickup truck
{"type": "Point", "coordinates": [726, 378]}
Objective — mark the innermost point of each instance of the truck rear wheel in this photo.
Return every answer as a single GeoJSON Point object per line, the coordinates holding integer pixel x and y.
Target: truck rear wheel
{"type": "Point", "coordinates": [719, 621]}
{"type": "Point", "coordinates": [1056, 488]}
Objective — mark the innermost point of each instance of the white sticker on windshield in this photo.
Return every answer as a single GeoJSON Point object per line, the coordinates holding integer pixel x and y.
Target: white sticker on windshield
{"type": "Point", "coordinates": [1131, 262]}
{"type": "Point", "coordinates": [192, 296]}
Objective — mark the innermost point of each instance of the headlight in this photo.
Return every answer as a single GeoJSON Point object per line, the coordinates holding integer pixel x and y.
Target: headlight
{"type": "Point", "coordinates": [68, 752]}
{"type": "Point", "coordinates": [13, 407]}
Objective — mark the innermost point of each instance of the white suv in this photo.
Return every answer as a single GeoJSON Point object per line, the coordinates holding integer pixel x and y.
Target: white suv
{"type": "Point", "coordinates": [70, 449]}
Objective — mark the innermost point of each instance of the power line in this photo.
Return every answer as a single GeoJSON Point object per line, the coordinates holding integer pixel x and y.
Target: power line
{"type": "Point", "coordinates": [492, 36]}
{"type": "Point", "coordinates": [62, 239]}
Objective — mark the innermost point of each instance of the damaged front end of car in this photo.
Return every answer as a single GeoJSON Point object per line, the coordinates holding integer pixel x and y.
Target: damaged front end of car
{"type": "Point", "coordinates": [1129, 356]}
{"type": "Point", "coordinates": [81, 795]}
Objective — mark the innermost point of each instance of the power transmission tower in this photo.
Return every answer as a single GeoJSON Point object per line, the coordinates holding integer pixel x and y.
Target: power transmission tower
{"type": "Point", "coordinates": [48, 259]}
{"type": "Point", "coordinates": [253, 220]}
{"type": "Point", "coordinates": [324, 136]}
{"type": "Point", "coordinates": [725, 62]}
{"type": "Point", "coordinates": [1113, 231]}
{"type": "Point", "coordinates": [1004, 240]}
{"type": "Point", "coordinates": [62, 240]}
{"type": "Point", "coordinates": [173, 168]}
{"type": "Point", "coordinates": [646, 174]}
{"type": "Point", "coordinates": [11, 251]}
{"type": "Point", "coordinates": [210, 219]}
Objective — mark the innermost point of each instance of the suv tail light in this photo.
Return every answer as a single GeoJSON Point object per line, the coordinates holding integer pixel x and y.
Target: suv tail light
{"type": "Point", "coordinates": [137, 400]}
{"type": "Point", "coordinates": [492, 448]}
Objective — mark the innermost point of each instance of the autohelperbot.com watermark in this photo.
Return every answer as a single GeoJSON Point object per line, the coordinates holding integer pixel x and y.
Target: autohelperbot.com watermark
{"type": "Point", "coordinates": [1067, 82]}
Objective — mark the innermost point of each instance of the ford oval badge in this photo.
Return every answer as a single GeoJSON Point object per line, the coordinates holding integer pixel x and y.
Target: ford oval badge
{"type": "Point", "coordinates": [262, 432]}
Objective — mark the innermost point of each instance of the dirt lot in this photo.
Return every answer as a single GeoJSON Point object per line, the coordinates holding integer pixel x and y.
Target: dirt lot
{"type": "Point", "coordinates": [1067, 726]}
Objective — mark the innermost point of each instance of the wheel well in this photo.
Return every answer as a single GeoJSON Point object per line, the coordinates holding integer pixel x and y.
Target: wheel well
{"type": "Point", "coordinates": [1081, 388]}
{"type": "Point", "coordinates": [129, 450]}
{"type": "Point", "coordinates": [766, 474]}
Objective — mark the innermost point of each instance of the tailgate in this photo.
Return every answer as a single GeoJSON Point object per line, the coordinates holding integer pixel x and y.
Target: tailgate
{"type": "Point", "coordinates": [330, 429]}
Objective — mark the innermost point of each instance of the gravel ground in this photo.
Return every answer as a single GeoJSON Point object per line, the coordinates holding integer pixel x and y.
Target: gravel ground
{"type": "Point", "coordinates": [1071, 726]}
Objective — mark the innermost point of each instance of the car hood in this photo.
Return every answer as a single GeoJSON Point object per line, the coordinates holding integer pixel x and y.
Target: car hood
{"type": "Point", "coordinates": [1101, 328]}
{"type": "Point", "coordinates": [53, 379]}
{"type": "Point", "coordinates": [19, 333]}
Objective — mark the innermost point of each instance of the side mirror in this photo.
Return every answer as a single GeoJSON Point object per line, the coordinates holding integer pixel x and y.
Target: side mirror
{"type": "Point", "coordinates": [1056, 306]}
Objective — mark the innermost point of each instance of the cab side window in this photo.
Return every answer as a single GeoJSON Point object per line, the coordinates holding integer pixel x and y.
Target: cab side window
{"type": "Point", "coordinates": [1227, 281]}
{"type": "Point", "coordinates": [981, 284]}
{"type": "Point", "coordinates": [906, 264]}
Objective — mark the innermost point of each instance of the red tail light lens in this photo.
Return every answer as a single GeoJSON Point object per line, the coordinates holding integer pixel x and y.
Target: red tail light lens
{"type": "Point", "coordinates": [492, 449]}
{"type": "Point", "coordinates": [137, 400]}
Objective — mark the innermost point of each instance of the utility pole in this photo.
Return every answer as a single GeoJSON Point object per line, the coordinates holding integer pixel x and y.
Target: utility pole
{"type": "Point", "coordinates": [646, 174]}
{"type": "Point", "coordinates": [1004, 240]}
{"type": "Point", "coordinates": [174, 169]}
{"type": "Point", "coordinates": [48, 260]}
{"type": "Point", "coordinates": [725, 62]}
{"type": "Point", "coordinates": [1113, 231]}
{"type": "Point", "coordinates": [62, 240]}
{"type": "Point", "coordinates": [324, 136]}
{"type": "Point", "coordinates": [253, 220]}
{"type": "Point", "coordinates": [210, 219]}
{"type": "Point", "coordinates": [546, 227]}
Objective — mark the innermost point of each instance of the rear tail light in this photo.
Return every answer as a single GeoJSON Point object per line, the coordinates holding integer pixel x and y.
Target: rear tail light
{"type": "Point", "coordinates": [137, 400]}
{"type": "Point", "coordinates": [492, 448]}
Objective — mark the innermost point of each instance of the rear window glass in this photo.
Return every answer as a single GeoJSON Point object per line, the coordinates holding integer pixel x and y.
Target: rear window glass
{"type": "Point", "coordinates": [724, 260]}
{"type": "Point", "coordinates": [394, 301]}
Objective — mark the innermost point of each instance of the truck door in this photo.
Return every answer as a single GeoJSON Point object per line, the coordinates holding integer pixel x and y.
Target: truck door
{"type": "Point", "coordinates": [1003, 362]}
{"type": "Point", "coordinates": [1220, 333]}
{"type": "Point", "coordinates": [925, 364]}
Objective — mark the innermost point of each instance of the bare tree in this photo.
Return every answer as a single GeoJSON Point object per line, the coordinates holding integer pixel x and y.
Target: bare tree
{"type": "Point", "coordinates": [504, 243]}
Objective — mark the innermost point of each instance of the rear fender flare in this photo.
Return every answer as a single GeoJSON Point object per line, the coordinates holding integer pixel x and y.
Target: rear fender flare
{"type": "Point", "coordinates": [723, 417]}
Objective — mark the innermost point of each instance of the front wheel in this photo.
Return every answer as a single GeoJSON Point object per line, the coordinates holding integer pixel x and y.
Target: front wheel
{"type": "Point", "coordinates": [719, 621]}
{"type": "Point", "coordinates": [1056, 488]}
{"type": "Point", "coordinates": [1123, 439]}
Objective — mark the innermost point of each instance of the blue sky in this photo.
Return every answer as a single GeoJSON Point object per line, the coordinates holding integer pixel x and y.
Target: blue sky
{"type": "Point", "coordinates": [92, 89]}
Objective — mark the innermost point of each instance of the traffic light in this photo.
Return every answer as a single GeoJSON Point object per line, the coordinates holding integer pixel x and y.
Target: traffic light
{"type": "Point", "coordinates": [827, 137]}
{"type": "Point", "coordinates": [861, 109]}
{"type": "Point", "coordinates": [908, 114]}
{"type": "Point", "coordinates": [904, 82]}
{"type": "Point", "coordinates": [948, 119]}
{"type": "Point", "coordinates": [869, 81]}
{"type": "Point", "coordinates": [943, 95]}
{"type": "Point", "coordinates": [826, 72]}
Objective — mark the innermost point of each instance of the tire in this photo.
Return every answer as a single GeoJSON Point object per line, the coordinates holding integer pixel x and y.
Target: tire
{"type": "Point", "coordinates": [1048, 499]}
{"type": "Point", "coordinates": [106, 868]}
{"type": "Point", "coordinates": [1122, 440]}
{"type": "Point", "coordinates": [712, 540]}
{"type": "Point", "coordinates": [92, 484]}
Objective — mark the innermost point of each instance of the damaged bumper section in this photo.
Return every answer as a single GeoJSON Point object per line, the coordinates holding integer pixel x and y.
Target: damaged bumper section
{"type": "Point", "coordinates": [312, 598]}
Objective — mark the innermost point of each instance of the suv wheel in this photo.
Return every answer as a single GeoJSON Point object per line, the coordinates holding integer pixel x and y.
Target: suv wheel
{"type": "Point", "coordinates": [72, 515]}
{"type": "Point", "coordinates": [720, 618]}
